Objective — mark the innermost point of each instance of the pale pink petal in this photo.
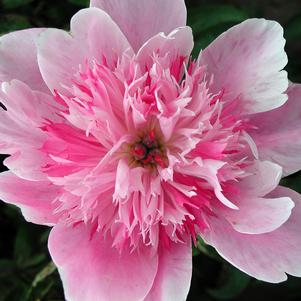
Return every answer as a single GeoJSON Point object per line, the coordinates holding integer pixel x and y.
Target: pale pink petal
{"type": "Point", "coordinates": [28, 106]}
{"type": "Point", "coordinates": [18, 58]}
{"type": "Point", "coordinates": [258, 215]}
{"type": "Point", "coordinates": [92, 270]}
{"type": "Point", "coordinates": [174, 273]}
{"type": "Point", "coordinates": [264, 177]}
{"type": "Point", "coordinates": [34, 198]}
{"type": "Point", "coordinates": [20, 128]}
{"type": "Point", "coordinates": [27, 164]}
{"type": "Point", "coordinates": [255, 213]}
{"type": "Point", "coordinates": [246, 62]}
{"type": "Point", "coordinates": [14, 133]}
{"type": "Point", "coordinates": [278, 132]}
{"type": "Point", "coordinates": [141, 20]}
{"type": "Point", "coordinates": [122, 180]}
{"type": "Point", "coordinates": [178, 43]}
{"type": "Point", "coordinates": [94, 36]}
{"type": "Point", "coordinates": [99, 33]}
{"type": "Point", "coordinates": [267, 256]}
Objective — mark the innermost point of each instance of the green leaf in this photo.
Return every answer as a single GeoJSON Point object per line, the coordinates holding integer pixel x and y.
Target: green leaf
{"type": "Point", "coordinates": [79, 2]}
{"type": "Point", "coordinates": [22, 246]}
{"type": "Point", "coordinates": [17, 293]}
{"type": "Point", "coordinates": [209, 36]}
{"type": "Point", "coordinates": [195, 251]}
{"type": "Point", "coordinates": [49, 269]}
{"type": "Point", "coordinates": [11, 4]}
{"type": "Point", "coordinates": [42, 292]}
{"type": "Point", "coordinates": [6, 267]}
{"type": "Point", "coordinates": [13, 22]}
{"type": "Point", "coordinates": [34, 261]}
{"type": "Point", "coordinates": [234, 282]}
{"type": "Point", "coordinates": [206, 17]}
{"type": "Point", "coordinates": [5, 293]}
{"type": "Point", "coordinates": [44, 236]}
{"type": "Point", "coordinates": [207, 250]}
{"type": "Point", "coordinates": [293, 29]}
{"type": "Point", "coordinates": [208, 22]}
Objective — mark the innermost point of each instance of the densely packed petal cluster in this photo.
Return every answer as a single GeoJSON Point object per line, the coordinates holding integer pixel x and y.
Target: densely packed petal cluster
{"type": "Point", "coordinates": [131, 149]}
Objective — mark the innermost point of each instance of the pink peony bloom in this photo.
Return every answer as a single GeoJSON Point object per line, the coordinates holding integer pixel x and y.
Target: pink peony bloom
{"type": "Point", "coordinates": [130, 149]}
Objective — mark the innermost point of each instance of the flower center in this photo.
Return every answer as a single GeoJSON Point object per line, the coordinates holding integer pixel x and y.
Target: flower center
{"type": "Point", "coordinates": [149, 151]}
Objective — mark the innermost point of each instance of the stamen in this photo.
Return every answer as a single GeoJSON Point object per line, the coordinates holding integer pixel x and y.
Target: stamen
{"type": "Point", "coordinates": [139, 151]}
{"type": "Point", "coordinates": [149, 151]}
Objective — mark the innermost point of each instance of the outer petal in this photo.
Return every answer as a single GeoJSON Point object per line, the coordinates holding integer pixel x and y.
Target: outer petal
{"type": "Point", "coordinates": [20, 127]}
{"type": "Point", "coordinates": [18, 58]}
{"type": "Point", "coordinates": [174, 274]}
{"type": "Point", "coordinates": [266, 173]}
{"type": "Point", "coordinates": [92, 270]}
{"type": "Point", "coordinates": [35, 199]}
{"type": "Point", "coordinates": [140, 20]}
{"type": "Point", "coordinates": [278, 132]}
{"type": "Point", "coordinates": [28, 106]}
{"type": "Point", "coordinates": [27, 164]}
{"type": "Point", "coordinates": [14, 133]}
{"type": "Point", "coordinates": [258, 215]}
{"type": "Point", "coordinates": [246, 62]}
{"type": "Point", "coordinates": [93, 36]}
{"type": "Point", "coordinates": [265, 256]}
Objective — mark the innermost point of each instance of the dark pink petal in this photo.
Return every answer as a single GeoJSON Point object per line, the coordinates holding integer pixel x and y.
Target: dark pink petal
{"type": "Point", "coordinates": [94, 36]}
{"type": "Point", "coordinates": [34, 198]}
{"type": "Point", "coordinates": [267, 256]}
{"type": "Point", "coordinates": [246, 62]}
{"type": "Point", "coordinates": [278, 132]}
{"type": "Point", "coordinates": [91, 269]}
{"type": "Point", "coordinates": [18, 58]}
{"type": "Point", "coordinates": [174, 274]}
{"type": "Point", "coordinates": [141, 20]}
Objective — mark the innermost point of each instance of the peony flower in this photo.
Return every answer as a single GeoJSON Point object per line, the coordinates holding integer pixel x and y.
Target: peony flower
{"type": "Point", "coordinates": [131, 150]}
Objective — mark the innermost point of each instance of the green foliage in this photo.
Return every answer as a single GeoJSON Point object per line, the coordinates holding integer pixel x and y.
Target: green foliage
{"type": "Point", "coordinates": [82, 3]}
{"type": "Point", "coordinates": [293, 38]}
{"type": "Point", "coordinates": [293, 29]}
{"type": "Point", "coordinates": [11, 4]}
{"type": "Point", "coordinates": [26, 270]}
{"type": "Point", "coordinates": [205, 249]}
{"type": "Point", "coordinates": [208, 22]}
{"type": "Point", "coordinates": [233, 283]}
{"type": "Point", "coordinates": [12, 22]}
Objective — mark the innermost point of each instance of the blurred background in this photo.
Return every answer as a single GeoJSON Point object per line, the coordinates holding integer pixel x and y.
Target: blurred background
{"type": "Point", "coordinates": [26, 271]}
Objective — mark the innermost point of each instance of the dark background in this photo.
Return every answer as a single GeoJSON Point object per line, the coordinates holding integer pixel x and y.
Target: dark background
{"type": "Point", "coordinates": [26, 271]}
